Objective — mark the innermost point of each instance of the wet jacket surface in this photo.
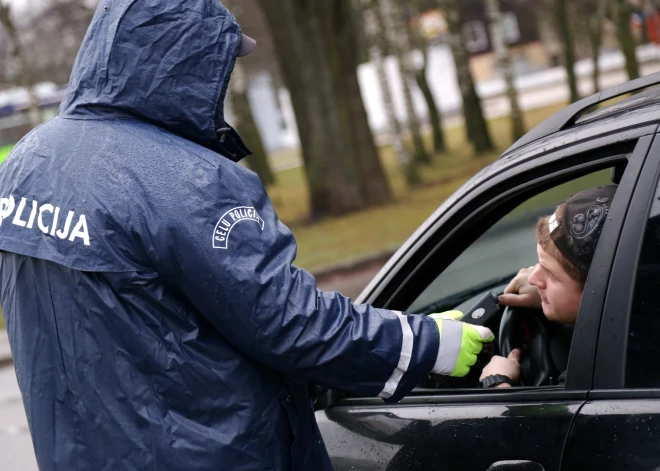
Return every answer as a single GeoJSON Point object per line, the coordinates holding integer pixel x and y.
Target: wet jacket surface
{"type": "Point", "coordinates": [155, 316]}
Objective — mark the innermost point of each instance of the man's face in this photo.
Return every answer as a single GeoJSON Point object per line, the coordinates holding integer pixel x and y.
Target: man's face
{"type": "Point", "coordinates": [560, 294]}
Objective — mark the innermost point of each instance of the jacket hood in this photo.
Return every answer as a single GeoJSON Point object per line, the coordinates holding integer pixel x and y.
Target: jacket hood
{"type": "Point", "coordinates": [165, 62]}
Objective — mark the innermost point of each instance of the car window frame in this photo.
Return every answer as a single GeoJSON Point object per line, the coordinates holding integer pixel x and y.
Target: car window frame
{"type": "Point", "coordinates": [570, 163]}
{"type": "Point", "coordinates": [382, 290]}
{"type": "Point", "coordinates": [611, 354]}
{"type": "Point", "coordinates": [400, 271]}
{"type": "Point", "coordinates": [491, 205]}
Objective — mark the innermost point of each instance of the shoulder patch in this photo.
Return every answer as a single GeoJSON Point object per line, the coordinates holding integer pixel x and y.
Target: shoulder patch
{"type": "Point", "coordinates": [229, 220]}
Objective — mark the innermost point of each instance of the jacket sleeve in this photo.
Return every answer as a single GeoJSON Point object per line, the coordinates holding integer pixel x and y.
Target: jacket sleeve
{"type": "Point", "coordinates": [217, 238]}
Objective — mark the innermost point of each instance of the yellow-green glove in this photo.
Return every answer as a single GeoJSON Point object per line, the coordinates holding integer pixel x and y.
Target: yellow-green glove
{"type": "Point", "coordinates": [460, 343]}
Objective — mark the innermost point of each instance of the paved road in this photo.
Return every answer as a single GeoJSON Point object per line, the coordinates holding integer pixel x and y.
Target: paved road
{"type": "Point", "coordinates": [15, 445]}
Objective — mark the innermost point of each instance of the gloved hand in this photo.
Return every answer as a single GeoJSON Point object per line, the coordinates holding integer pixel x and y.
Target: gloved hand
{"type": "Point", "coordinates": [460, 343]}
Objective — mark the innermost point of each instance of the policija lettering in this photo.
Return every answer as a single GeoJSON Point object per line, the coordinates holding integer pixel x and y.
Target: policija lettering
{"type": "Point", "coordinates": [229, 220]}
{"type": "Point", "coordinates": [38, 213]}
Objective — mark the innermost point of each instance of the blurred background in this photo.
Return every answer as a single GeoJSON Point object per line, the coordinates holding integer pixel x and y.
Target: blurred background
{"type": "Point", "coordinates": [364, 115]}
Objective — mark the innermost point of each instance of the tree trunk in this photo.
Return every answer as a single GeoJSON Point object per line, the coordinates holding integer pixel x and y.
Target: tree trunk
{"type": "Point", "coordinates": [374, 29]}
{"type": "Point", "coordinates": [24, 78]}
{"type": "Point", "coordinates": [504, 61]}
{"type": "Point", "coordinates": [596, 39]}
{"type": "Point", "coordinates": [622, 12]}
{"type": "Point", "coordinates": [318, 59]}
{"type": "Point", "coordinates": [475, 124]}
{"type": "Point", "coordinates": [568, 46]}
{"type": "Point", "coordinates": [420, 155]}
{"type": "Point", "coordinates": [435, 117]}
{"type": "Point", "coordinates": [247, 127]}
{"type": "Point", "coordinates": [396, 24]}
{"type": "Point", "coordinates": [341, 43]}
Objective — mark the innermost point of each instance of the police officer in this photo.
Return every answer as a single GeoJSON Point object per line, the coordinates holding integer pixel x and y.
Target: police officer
{"type": "Point", "coordinates": [154, 314]}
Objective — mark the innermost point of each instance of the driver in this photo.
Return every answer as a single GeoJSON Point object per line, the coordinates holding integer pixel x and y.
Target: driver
{"type": "Point", "coordinates": [565, 244]}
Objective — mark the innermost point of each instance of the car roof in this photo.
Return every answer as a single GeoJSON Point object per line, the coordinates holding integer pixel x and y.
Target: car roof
{"type": "Point", "coordinates": [570, 116]}
{"type": "Point", "coordinates": [646, 98]}
{"type": "Point", "coordinates": [635, 113]}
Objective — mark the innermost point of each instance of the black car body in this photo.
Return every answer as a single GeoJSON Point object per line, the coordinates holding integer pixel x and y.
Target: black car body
{"type": "Point", "coordinates": [607, 413]}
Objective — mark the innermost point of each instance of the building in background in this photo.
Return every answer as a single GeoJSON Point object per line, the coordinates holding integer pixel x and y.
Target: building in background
{"type": "Point", "coordinates": [522, 33]}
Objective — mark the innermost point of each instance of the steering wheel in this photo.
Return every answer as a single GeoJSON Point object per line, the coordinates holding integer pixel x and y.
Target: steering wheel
{"type": "Point", "coordinates": [529, 330]}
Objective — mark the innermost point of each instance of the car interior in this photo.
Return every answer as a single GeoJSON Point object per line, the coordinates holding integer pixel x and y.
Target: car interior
{"type": "Point", "coordinates": [483, 270]}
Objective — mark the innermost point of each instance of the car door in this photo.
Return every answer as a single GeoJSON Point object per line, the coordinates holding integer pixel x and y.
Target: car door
{"type": "Point", "coordinates": [619, 426]}
{"type": "Point", "coordinates": [470, 428]}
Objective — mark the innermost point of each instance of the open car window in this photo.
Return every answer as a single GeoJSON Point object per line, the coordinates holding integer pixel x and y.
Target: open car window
{"type": "Point", "coordinates": [494, 258]}
{"type": "Point", "coordinates": [488, 264]}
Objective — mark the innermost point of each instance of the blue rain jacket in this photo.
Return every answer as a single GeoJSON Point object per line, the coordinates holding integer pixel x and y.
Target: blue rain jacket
{"type": "Point", "coordinates": [155, 316]}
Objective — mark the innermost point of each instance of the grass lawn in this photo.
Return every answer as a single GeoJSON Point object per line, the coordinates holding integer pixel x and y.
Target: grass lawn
{"type": "Point", "coordinates": [2, 320]}
{"type": "Point", "coordinates": [4, 151]}
{"type": "Point", "coordinates": [374, 231]}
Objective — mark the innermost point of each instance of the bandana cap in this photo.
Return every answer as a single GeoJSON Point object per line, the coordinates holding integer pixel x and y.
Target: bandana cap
{"type": "Point", "coordinates": [577, 232]}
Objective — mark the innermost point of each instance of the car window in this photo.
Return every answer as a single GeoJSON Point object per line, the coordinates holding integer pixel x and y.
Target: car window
{"type": "Point", "coordinates": [488, 264]}
{"type": "Point", "coordinates": [495, 257]}
{"type": "Point", "coordinates": [643, 353]}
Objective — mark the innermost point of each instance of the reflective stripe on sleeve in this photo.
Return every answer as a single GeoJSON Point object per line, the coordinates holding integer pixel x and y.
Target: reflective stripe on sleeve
{"type": "Point", "coordinates": [404, 358]}
{"type": "Point", "coordinates": [451, 339]}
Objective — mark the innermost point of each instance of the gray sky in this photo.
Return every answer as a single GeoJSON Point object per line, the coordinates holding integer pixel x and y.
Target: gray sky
{"type": "Point", "coordinates": [21, 4]}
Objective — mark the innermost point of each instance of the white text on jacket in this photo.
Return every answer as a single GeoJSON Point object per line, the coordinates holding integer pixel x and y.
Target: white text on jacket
{"type": "Point", "coordinates": [47, 218]}
{"type": "Point", "coordinates": [229, 220]}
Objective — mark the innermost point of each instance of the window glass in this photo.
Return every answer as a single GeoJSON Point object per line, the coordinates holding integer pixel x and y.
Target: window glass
{"type": "Point", "coordinates": [643, 356]}
{"type": "Point", "coordinates": [494, 258]}
{"type": "Point", "coordinates": [511, 29]}
{"type": "Point", "coordinates": [474, 34]}
{"type": "Point", "coordinates": [489, 264]}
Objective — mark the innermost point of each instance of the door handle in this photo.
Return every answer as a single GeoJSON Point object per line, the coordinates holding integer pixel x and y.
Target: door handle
{"type": "Point", "coordinates": [516, 465]}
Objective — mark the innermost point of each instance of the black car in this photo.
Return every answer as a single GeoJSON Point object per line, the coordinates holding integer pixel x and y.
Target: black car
{"type": "Point", "coordinates": [606, 415]}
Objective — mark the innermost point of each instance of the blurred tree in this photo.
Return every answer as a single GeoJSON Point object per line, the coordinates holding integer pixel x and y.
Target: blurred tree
{"type": "Point", "coordinates": [23, 75]}
{"type": "Point", "coordinates": [253, 23]}
{"type": "Point", "coordinates": [420, 43]}
{"type": "Point", "coordinates": [504, 62]}
{"type": "Point", "coordinates": [622, 10]}
{"type": "Point", "coordinates": [375, 34]}
{"type": "Point", "coordinates": [595, 12]}
{"type": "Point", "coordinates": [50, 35]}
{"type": "Point", "coordinates": [395, 22]}
{"type": "Point", "coordinates": [318, 56]}
{"type": "Point", "coordinates": [568, 46]}
{"type": "Point", "coordinates": [242, 111]}
{"type": "Point", "coordinates": [53, 34]}
{"type": "Point", "coordinates": [475, 124]}
{"type": "Point", "coordinates": [247, 127]}
{"type": "Point", "coordinates": [7, 66]}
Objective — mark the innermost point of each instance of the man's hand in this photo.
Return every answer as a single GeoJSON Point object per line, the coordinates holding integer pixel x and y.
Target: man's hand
{"type": "Point", "coordinates": [504, 366]}
{"type": "Point", "coordinates": [460, 343]}
{"type": "Point", "coordinates": [519, 293]}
